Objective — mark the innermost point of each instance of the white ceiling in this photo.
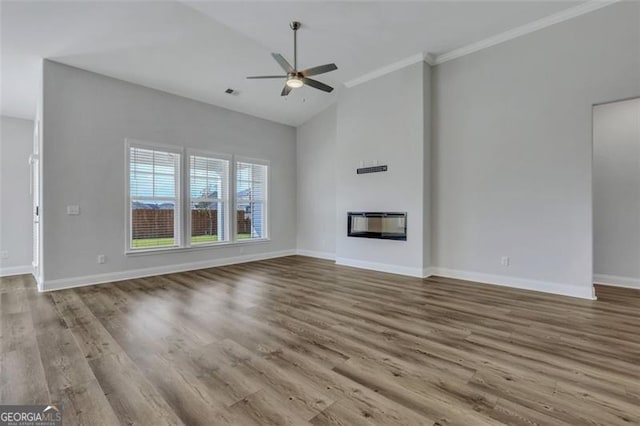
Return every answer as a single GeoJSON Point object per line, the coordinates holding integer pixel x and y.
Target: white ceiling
{"type": "Point", "coordinates": [199, 49]}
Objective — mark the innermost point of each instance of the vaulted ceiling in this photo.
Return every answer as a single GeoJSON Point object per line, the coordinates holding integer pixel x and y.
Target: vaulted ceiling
{"type": "Point", "coordinates": [199, 49]}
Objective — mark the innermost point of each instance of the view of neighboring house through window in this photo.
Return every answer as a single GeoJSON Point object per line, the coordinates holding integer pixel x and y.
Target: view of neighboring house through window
{"type": "Point", "coordinates": [251, 200]}
{"type": "Point", "coordinates": [209, 195]}
{"type": "Point", "coordinates": [154, 197]}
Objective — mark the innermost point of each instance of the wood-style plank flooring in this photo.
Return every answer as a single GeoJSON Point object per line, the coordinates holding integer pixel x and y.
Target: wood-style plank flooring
{"type": "Point", "coordinates": [301, 341]}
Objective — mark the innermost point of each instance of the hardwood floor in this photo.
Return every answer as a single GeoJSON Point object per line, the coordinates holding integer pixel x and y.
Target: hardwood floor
{"type": "Point", "coordinates": [300, 341]}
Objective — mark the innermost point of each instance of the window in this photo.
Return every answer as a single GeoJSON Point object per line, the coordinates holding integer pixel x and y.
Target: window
{"type": "Point", "coordinates": [153, 197]}
{"type": "Point", "coordinates": [209, 199]}
{"type": "Point", "coordinates": [251, 200]}
{"type": "Point", "coordinates": [179, 198]}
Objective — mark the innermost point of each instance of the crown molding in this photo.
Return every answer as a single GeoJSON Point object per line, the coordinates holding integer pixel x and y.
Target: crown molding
{"type": "Point", "coordinates": [402, 63]}
{"type": "Point", "coordinates": [429, 58]}
{"type": "Point", "coordinates": [511, 34]}
{"type": "Point", "coordinates": [545, 22]}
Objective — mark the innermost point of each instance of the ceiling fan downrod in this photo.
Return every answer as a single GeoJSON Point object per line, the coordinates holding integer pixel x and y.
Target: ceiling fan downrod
{"type": "Point", "coordinates": [295, 26]}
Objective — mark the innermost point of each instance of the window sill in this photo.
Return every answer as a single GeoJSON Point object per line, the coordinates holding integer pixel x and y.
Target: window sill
{"type": "Point", "coordinates": [198, 247]}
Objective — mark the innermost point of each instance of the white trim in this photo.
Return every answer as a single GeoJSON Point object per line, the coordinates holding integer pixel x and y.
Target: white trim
{"type": "Point", "coordinates": [430, 58]}
{"type": "Point", "coordinates": [616, 281]}
{"type": "Point", "coordinates": [208, 154]}
{"type": "Point", "coordinates": [266, 231]}
{"type": "Point", "coordinates": [382, 267]}
{"type": "Point", "coordinates": [158, 270]}
{"type": "Point", "coordinates": [187, 196]}
{"type": "Point", "coordinates": [513, 33]}
{"type": "Point", "coordinates": [402, 63]}
{"type": "Point", "coordinates": [39, 281]}
{"type": "Point", "coordinates": [153, 146]}
{"type": "Point", "coordinates": [196, 247]}
{"type": "Point", "coordinates": [429, 271]}
{"type": "Point", "coordinates": [582, 292]}
{"type": "Point", "coordinates": [251, 160]}
{"type": "Point", "coordinates": [16, 270]}
{"type": "Point", "coordinates": [317, 254]}
{"type": "Point", "coordinates": [178, 199]}
{"type": "Point", "coordinates": [374, 266]}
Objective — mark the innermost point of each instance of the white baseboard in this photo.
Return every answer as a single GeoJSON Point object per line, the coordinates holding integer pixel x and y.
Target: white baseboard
{"type": "Point", "coordinates": [427, 272]}
{"type": "Point", "coordinates": [16, 270]}
{"type": "Point", "coordinates": [382, 267]}
{"type": "Point", "coordinates": [63, 283]}
{"type": "Point", "coordinates": [374, 266]}
{"type": "Point", "coordinates": [616, 281]}
{"type": "Point", "coordinates": [582, 292]}
{"type": "Point", "coordinates": [585, 292]}
{"type": "Point", "coordinates": [318, 254]}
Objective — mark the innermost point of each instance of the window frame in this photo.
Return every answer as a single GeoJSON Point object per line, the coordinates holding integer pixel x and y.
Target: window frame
{"type": "Point", "coordinates": [241, 159]}
{"type": "Point", "coordinates": [178, 209]}
{"type": "Point", "coordinates": [182, 219]}
{"type": "Point", "coordinates": [187, 199]}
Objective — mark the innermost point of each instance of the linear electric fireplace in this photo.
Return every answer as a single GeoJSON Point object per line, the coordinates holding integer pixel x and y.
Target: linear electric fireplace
{"type": "Point", "coordinates": [383, 225]}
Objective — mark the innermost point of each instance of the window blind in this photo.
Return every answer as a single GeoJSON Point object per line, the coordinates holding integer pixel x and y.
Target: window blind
{"type": "Point", "coordinates": [251, 199]}
{"type": "Point", "coordinates": [209, 195]}
{"type": "Point", "coordinates": [154, 182]}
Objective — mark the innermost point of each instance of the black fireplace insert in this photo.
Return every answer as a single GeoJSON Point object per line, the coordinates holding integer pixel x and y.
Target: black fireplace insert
{"type": "Point", "coordinates": [382, 225]}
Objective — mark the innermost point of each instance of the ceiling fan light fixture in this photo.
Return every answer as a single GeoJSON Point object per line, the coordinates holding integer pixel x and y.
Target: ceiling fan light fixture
{"type": "Point", "coordinates": [295, 82]}
{"type": "Point", "coordinates": [296, 78]}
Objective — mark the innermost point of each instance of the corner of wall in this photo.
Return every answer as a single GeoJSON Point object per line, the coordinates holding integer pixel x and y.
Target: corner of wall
{"type": "Point", "coordinates": [427, 244]}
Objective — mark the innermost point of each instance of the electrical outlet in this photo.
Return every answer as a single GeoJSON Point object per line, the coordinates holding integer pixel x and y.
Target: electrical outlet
{"type": "Point", "coordinates": [505, 261]}
{"type": "Point", "coordinates": [4, 254]}
{"type": "Point", "coordinates": [101, 259]}
{"type": "Point", "coordinates": [73, 210]}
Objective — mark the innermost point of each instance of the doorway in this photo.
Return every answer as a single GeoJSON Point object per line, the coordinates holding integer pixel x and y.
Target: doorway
{"type": "Point", "coordinates": [616, 193]}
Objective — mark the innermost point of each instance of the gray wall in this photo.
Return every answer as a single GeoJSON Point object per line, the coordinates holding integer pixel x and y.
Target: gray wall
{"type": "Point", "coordinates": [316, 184]}
{"type": "Point", "coordinates": [616, 193]}
{"type": "Point", "coordinates": [512, 146]}
{"type": "Point", "coordinates": [16, 144]}
{"type": "Point", "coordinates": [86, 118]}
{"type": "Point", "coordinates": [382, 120]}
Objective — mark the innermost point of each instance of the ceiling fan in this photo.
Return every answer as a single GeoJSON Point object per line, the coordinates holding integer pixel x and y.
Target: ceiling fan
{"type": "Point", "coordinates": [295, 78]}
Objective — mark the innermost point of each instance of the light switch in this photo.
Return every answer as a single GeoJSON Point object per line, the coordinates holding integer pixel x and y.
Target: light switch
{"type": "Point", "coordinates": [73, 210]}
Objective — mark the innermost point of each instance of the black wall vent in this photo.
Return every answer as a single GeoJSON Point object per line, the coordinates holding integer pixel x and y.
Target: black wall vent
{"type": "Point", "coordinates": [373, 169]}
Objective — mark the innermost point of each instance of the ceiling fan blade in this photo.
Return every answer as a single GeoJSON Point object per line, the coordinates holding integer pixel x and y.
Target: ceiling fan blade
{"type": "Point", "coordinates": [285, 90]}
{"type": "Point", "coordinates": [321, 69]}
{"type": "Point", "coordinates": [317, 85]}
{"type": "Point", "coordinates": [283, 62]}
{"type": "Point", "coordinates": [253, 77]}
